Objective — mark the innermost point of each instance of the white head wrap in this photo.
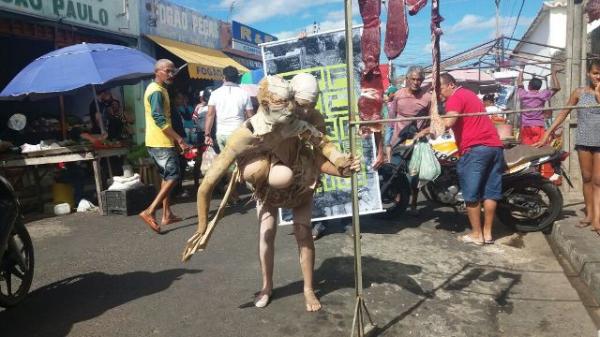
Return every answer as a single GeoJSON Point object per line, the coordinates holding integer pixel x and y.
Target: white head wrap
{"type": "Point", "coordinates": [276, 112]}
{"type": "Point", "coordinates": [305, 87]}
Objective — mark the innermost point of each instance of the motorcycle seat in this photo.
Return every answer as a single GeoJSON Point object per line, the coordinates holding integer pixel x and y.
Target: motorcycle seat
{"type": "Point", "coordinates": [524, 153]}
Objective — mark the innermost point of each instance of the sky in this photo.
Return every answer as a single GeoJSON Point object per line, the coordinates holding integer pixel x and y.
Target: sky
{"type": "Point", "coordinates": [467, 23]}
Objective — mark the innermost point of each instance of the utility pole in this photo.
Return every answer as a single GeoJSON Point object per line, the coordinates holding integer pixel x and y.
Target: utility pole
{"type": "Point", "coordinates": [575, 52]}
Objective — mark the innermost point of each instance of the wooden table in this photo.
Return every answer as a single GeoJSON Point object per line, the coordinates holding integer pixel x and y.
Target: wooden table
{"type": "Point", "coordinates": [52, 157]}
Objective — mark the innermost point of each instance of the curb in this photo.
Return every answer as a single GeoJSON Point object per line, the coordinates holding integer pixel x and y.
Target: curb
{"type": "Point", "coordinates": [580, 248]}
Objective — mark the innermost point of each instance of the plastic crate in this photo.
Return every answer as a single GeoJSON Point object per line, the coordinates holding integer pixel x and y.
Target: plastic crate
{"type": "Point", "coordinates": [127, 202]}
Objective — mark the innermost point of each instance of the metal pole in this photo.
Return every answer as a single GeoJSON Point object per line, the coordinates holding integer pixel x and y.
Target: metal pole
{"type": "Point", "coordinates": [506, 112]}
{"type": "Point", "coordinates": [63, 122]}
{"type": "Point", "coordinates": [497, 30]}
{"type": "Point", "coordinates": [357, 321]}
{"type": "Point", "coordinates": [102, 130]}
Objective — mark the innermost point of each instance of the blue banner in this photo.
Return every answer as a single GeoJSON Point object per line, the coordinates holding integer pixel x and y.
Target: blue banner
{"type": "Point", "coordinates": [249, 35]}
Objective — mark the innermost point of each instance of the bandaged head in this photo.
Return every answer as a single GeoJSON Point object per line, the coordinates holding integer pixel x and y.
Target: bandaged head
{"type": "Point", "coordinates": [274, 97]}
{"type": "Point", "coordinates": [274, 92]}
{"type": "Point", "coordinates": [305, 88]}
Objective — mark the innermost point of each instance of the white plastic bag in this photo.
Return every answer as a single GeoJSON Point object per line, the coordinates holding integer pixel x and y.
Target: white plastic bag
{"type": "Point", "coordinates": [207, 159]}
{"type": "Point", "coordinates": [424, 163]}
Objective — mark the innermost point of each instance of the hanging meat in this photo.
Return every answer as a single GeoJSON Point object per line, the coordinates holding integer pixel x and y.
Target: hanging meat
{"type": "Point", "coordinates": [396, 33]}
{"type": "Point", "coordinates": [370, 101]}
{"type": "Point", "coordinates": [370, 42]}
{"type": "Point", "coordinates": [371, 81]}
{"type": "Point", "coordinates": [414, 6]}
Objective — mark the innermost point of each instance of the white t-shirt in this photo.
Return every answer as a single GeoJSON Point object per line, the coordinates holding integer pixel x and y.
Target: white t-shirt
{"type": "Point", "coordinates": [230, 102]}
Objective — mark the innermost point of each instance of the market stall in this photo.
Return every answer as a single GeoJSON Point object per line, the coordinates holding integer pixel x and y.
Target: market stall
{"type": "Point", "coordinates": [74, 70]}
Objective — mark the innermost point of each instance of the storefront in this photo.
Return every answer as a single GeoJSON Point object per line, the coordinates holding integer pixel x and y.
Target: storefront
{"type": "Point", "coordinates": [32, 28]}
{"type": "Point", "coordinates": [240, 42]}
{"type": "Point", "coordinates": [185, 37]}
{"type": "Point", "coordinates": [29, 29]}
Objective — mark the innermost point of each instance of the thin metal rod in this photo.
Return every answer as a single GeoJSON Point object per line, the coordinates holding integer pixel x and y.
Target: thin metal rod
{"type": "Point", "coordinates": [356, 309]}
{"type": "Point", "coordinates": [358, 281]}
{"type": "Point", "coordinates": [63, 121]}
{"type": "Point", "coordinates": [507, 112]}
{"type": "Point", "coordinates": [101, 122]}
{"type": "Point", "coordinates": [534, 43]}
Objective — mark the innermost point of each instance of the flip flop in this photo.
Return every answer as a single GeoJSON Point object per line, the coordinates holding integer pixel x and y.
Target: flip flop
{"type": "Point", "coordinates": [582, 224]}
{"type": "Point", "coordinates": [468, 239]}
{"type": "Point", "coordinates": [149, 220]}
{"type": "Point", "coordinates": [171, 220]}
{"type": "Point", "coordinates": [489, 242]}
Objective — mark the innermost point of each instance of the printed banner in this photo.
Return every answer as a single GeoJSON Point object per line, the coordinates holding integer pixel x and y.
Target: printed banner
{"type": "Point", "coordinates": [323, 55]}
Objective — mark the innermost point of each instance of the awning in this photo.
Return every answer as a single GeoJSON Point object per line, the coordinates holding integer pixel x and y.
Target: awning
{"type": "Point", "coordinates": [203, 63]}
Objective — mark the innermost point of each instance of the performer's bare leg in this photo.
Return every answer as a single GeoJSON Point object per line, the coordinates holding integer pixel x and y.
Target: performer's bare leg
{"type": "Point", "coordinates": [266, 251]}
{"type": "Point", "coordinates": [306, 250]}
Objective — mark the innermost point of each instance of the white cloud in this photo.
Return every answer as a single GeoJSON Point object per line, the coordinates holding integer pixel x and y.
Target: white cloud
{"type": "Point", "coordinates": [251, 11]}
{"type": "Point", "coordinates": [333, 20]}
{"type": "Point", "coordinates": [470, 22]}
{"type": "Point", "coordinates": [445, 47]}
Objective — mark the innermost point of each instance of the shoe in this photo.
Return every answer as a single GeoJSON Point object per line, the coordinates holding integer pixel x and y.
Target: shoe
{"type": "Point", "coordinates": [184, 194]}
{"type": "Point", "coordinates": [468, 239]}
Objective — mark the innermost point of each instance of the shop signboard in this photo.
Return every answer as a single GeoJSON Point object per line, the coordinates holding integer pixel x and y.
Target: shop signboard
{"type": "Point", "coordinates": [245, 38]}
{"type": "Point", "coordinates": [165, 19]}
{"type": "Point", "coordinates": [246, 62]}
{"type": "Point", "coordinates": [323, 56]}
{"type": "Point", "coordinates": [119, 16]}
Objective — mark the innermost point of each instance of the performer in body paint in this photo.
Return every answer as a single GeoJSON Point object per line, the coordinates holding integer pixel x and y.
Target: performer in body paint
{"type": "Point", "coordinates": [280, 153]}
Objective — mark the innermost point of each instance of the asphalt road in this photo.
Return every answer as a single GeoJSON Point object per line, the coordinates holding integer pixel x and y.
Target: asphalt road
{"type": "Point", "coordinates": [111, 276]}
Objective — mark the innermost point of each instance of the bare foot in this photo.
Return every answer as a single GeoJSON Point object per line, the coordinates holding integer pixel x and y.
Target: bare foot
{"type": "Point", "coordinates": [171, 219]}
{"type": "Point", "coordinates": [262, 299]}
{"type": "Point", "coordinates": [312, 302]}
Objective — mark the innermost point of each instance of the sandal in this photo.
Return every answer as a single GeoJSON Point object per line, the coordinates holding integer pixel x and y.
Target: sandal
{"type": "Point", "coordinates": [149, 220]}
{"type": "Point", "coordinates": [468, 239]}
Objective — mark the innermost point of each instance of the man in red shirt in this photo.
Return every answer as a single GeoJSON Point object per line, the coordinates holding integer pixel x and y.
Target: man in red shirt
{"type": "Point", "coordinates": [481, 163]}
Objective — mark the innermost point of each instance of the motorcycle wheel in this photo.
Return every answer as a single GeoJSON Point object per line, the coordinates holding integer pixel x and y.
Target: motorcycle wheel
{"type": "Point", "coordinates": [543, 202]}
{"type": "Point", "coordinates": [16, 267]}
{"type": "Point", "coordinates": [396, 197]}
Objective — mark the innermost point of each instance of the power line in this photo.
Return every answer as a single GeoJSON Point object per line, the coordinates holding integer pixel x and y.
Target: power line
{"type": "Point", "coordinates": [516, 23]}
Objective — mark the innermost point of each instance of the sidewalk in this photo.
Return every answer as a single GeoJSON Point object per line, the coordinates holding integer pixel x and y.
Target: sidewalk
{"type": "Point", "coordinates": [579, 247]}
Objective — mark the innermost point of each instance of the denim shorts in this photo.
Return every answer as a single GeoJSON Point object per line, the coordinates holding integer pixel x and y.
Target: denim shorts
{"type": "Point", "coordinates": [480, 173]}
{"type": "Point", "coordinates": [387, 135]}
{"type": "Point", "coordinates": [167, 161]}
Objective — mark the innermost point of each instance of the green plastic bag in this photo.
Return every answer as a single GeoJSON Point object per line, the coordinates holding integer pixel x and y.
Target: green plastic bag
{"type": "Point", "coordinates": [424, 163]}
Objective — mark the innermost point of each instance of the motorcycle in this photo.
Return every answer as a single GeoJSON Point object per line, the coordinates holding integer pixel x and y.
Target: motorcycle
{"type": "Point", "coordinates": [530, 202]}
{"type": "Point", "coordinates": [16, 249]}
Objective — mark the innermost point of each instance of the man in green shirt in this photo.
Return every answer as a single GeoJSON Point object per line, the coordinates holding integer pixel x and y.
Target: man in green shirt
{"type": "Point", "coordinates": [160, 141]}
